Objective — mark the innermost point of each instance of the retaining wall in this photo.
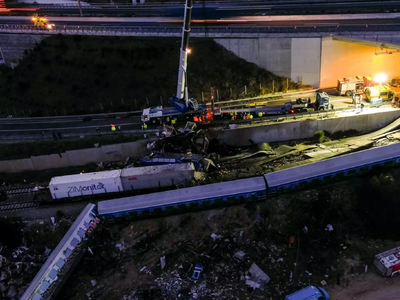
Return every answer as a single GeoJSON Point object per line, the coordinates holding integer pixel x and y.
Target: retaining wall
{"type": "Point", "coordinates": [297, 130]}
{"type": "Point", "coordinates": [239, 137]}
{"type": "Point", "coordinates": [75, 157]}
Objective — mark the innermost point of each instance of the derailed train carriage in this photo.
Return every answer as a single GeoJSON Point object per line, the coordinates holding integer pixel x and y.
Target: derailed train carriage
{"type": "Point", "coordinates": [129, 181]}
{"type": "Point", "coordinates": [251, 189]}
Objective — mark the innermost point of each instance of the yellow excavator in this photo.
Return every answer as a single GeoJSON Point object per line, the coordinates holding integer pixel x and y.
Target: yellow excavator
{"type": "Point", "coordinates": [42, 22]}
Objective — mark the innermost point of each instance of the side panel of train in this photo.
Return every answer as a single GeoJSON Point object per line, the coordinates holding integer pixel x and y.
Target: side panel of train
{"type": "Point", "coordinates": [129, 209]}
{"type": "Point", "coordinates": [332, 170]}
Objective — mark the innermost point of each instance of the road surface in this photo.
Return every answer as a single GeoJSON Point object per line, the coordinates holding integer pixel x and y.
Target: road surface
{"type": "Point", "coordinates": [210, 10]}
{"type": "Point", "coordinates": [165, 21]}
{"type": "Point", "coordinates": [74, 125]}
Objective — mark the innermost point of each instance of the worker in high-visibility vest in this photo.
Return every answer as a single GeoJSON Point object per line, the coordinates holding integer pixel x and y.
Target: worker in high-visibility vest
{"type": "Point", "coordinates": [173, 121]}
{"type": "Point", "coordinates": [260, 114]}
{"type": "Point", "coordinates": [112, 127]}
{"type": "Point", "coordinates": [251, 117]}
{"type": "Point", "coordinates": [144, 126]}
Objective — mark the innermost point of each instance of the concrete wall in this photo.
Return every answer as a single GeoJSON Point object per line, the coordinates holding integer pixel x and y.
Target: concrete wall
{"type": "Point", "coordinates": [297, 130]}
{"type": "Point", "coordinates": [75, 157]}
{"type": "Point", "coordinates": [14, 45]}
{"type": "Point", "coordinates": [295, 58]}
{"type": "Point", "coordinates": [342, 59]}
{"type": "Point", "coordinates": [306, 61]}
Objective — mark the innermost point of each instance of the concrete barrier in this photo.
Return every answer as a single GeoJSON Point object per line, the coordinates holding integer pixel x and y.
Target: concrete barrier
{"type": "Point", "coordinates": [45, 162]}
{"type": "Point", "coordinates": [241, 136]}
{"type": "Point", "coordinates": [297, 130]}
{"type": "Point", "coordinates": [75, 157]}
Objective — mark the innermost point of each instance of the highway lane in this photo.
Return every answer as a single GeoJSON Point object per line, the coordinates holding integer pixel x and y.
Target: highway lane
{"type": "Point", "coordinates": [207, 10]}
{"type": "Point", "coordinates": [277, 21]}
{"type": "Point", "coordinates": [76, 126]}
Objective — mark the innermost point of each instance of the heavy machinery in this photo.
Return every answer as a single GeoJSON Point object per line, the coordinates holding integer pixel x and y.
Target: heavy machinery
{"type": "Point", "coordinates": [42, 22]}
{"type": "Point", "coordinates": [180, 102]}
{"type": "Point", "coordinates": [321, 101]}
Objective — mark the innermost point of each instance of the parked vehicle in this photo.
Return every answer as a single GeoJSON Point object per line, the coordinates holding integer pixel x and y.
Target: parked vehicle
{"type": "Point", "coordinates": [388, 262]}
{"type": "Point", "coordinates": [309, 293]}
{"type": "Point", "coordinates": [377, 95]}
{"type": "Point", "coordinates": [358, 84]}
{"type": "Point", "coordinates": [322, 101]}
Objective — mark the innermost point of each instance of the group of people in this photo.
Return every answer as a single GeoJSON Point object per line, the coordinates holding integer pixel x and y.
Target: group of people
{"type": "Point", "coordinates": [245, 116]}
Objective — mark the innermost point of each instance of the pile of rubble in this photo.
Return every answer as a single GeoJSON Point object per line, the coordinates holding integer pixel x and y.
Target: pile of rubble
{"type": "Point", "coordinates": [18, 266]}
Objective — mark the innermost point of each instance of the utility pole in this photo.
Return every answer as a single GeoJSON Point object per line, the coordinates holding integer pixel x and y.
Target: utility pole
{"type": "Point", "coordinates": [80, 8]}
{"type": "Point", "coordinates": [181, 91]}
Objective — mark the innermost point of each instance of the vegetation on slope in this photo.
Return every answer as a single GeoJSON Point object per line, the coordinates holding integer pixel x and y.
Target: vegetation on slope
{"type": "Point", "coordinates": [75, 74]}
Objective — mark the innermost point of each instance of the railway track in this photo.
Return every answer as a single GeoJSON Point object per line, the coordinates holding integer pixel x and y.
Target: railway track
{"type": "Point", "coordinates": [19, 190]}
{"type": "Point", "coordinates": [18, 206]}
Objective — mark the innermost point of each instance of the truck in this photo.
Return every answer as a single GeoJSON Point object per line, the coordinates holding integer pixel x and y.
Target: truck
{"type": "Point", "coordinates": [388, 262]}
{"type": "Point", "coordinates": [357, 83]}
{"type": "Point", "coordinates": [309, 293]}
{"type": "Point", "coordinates": [226, 112]}
{"type": "Point", "coordinates": [378, 94]}
{"type": "Point", "coordinates": [322, 101]}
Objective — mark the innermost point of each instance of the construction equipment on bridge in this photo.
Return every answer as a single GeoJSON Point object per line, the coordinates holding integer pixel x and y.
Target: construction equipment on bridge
{"type": "Point", "coordinates": [41, 22]}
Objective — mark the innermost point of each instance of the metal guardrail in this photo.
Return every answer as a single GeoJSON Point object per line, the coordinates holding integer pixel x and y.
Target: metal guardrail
{"type": "Point", "coordinates": [207, 31]}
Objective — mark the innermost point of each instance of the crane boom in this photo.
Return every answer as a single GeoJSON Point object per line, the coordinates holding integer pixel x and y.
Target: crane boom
{"type": "Point", "coordinates": [182, 75]}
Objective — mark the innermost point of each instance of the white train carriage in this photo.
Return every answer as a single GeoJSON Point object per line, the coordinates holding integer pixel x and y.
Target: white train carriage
{"type": "Point", "coordinates": [156, 176]}
{"type": "Point", "coordinates": [180, 200]}
{"type": "Point", "coordinates": [85, 184]}
{"type": "Point", "coordinates": [60, 257]}
{"type": "Point", "coordinates": [334, 168]}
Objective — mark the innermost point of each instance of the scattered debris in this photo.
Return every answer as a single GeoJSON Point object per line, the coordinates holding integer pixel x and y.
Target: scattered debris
{"type": "Point", "coordinates": [240, 255]}
{"type": "Point", "coordinates": [329, 227]}
{"type": "Point", "coordinates": [163, 262]}
{"type": "Point", "coordinates": [215, 237]}
{"type": "Point", "coordinates": [258, 276]}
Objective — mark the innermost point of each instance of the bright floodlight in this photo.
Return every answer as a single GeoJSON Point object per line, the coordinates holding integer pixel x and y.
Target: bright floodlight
{"type": "Point", "coordinates": [188, 51]}
{"type": "Point", "coordinates": [381, 77]}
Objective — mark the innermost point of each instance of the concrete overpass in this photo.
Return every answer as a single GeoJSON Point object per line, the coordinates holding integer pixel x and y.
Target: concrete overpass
{"type": "Point", "coordinates": [316, 51]}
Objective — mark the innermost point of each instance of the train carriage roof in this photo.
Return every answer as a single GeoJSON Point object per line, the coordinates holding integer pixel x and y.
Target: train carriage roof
{"type": "Point", "coordinates": [182, 195]}
{"type": "Point", "coordinates": [332, 165]}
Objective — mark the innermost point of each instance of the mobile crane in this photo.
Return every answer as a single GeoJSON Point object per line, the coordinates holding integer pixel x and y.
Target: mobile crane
{"type": "Point", "coordinates": [180, 102]}
{"type": "Point", "coordinates": [187, 109]}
